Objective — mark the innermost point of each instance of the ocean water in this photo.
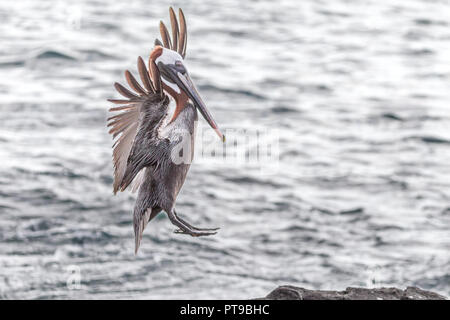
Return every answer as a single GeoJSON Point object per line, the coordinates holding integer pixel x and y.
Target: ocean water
{"type": "Point", "coordinates": [356, 93]}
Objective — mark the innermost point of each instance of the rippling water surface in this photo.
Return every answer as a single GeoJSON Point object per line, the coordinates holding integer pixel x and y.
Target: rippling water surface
{"type": "Point", "coordinates": [359, 93]}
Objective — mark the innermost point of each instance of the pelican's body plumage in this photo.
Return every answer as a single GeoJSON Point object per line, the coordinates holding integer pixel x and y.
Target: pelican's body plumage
{"type": "Point", "coordinates": [155, 144]}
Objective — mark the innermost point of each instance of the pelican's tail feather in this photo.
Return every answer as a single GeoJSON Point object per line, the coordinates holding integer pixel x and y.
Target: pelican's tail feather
{"type": "Point", "coordinates": [140, 221]}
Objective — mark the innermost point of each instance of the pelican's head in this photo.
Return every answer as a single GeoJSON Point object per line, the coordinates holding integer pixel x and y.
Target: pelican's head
{"type": "Point", "coordinates": [177, 83]}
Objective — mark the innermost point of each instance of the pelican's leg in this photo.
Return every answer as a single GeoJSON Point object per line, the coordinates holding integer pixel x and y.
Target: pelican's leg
{"type": "Point", "coordinates": [191, 226]}
{"type": "Point", "coordinates": [187, 229]}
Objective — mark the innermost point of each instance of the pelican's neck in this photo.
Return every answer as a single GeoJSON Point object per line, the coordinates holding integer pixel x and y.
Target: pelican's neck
{"type": "Point", "coordinates": [175, 126]}
{"type": "Point", "coordinates": [181, 100]}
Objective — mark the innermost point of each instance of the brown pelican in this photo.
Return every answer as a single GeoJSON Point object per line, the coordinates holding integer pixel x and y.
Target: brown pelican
{"type": "Point", "coordinates": [148, 132]}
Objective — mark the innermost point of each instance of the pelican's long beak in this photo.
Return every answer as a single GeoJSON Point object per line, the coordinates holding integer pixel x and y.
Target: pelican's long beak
{"type": "Point", "coordinates": [185, 83]}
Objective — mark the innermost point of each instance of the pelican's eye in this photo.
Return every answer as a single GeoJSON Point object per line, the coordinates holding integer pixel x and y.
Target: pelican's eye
{"type": "Point", "coordinates": [180, 67]}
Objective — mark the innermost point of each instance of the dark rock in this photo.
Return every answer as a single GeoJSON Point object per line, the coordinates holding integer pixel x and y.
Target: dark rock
{"type": "Point", "coordinates": [296, 293]}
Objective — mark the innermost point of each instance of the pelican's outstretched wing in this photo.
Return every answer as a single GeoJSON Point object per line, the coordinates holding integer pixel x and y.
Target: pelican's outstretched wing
{"type": "Point", "coordinates": [140, 111]}
{"type": "Point", "coordinates": [179, 34]}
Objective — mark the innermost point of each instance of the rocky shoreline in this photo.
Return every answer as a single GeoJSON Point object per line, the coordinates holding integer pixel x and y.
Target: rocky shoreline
{"type": "Point", "coordinates": [297, 293]}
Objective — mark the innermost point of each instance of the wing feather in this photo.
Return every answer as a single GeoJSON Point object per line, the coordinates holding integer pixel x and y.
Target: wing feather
{"type": "Point", "coordinates": [165, 35]}
{"type": "Point", "coordinates": [136, 183]}
{"type": "Point", "coordinates": [125, 125]}
{"type": "Point", "coordinates": [119, 101]}
{"type": "Point", "coordinates": [121, 153]}
{"type": "Point", "coordinates": [125, 92]}
{"type": "Point", "coordinates": [123, 120]}
{"type": "Point", "coordinates": [183, 34]}
{"type": "Point", "coordinates": [145, 78]}
{"type": "Point", "coordinates": [179, 33]}
{"type": "Point", "coordinates": [174, 25]}
{"type": "Point", "coordinates": [134, 84]}
{"type": "Point", "coordinates": [154, 71]}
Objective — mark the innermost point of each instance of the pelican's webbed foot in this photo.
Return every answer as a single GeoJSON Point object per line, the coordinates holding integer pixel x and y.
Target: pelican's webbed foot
{"type": "Point", "coordinates": [187, 228]}
{"type": "Point", "coordinates": [191, 226]}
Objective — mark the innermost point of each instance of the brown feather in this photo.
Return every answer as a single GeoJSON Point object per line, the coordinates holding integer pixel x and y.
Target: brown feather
{"type": "Point", "coordinates": [122, 151]}
{"type": "Point", "coordinates": [124, 116]}
{"type": "Point", "coordinates": [118, 101]}
{"type": "Point", "coordinates": [183, 34]}
{"type": "Point", "coordinates": [156, 77]}
{"type": "Point", "coordinates": [165, 35]}
{"type": "Point", "coordinates": [117, 128]}
{"type": "Point", "coordinates": [174, 24]}
{"type": "Point", "coordinates": [122, 108]}
{"type": "Point", "coordinates": [134, 84]}
{"type": "Point", "coordinates": [143, 73]}
{"type": "Point", "coordinates": [121, 120]}
{"type": "Point", "coordinates": [113, 117]}
{"type": "Point", "coordinates": [124, 91]}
